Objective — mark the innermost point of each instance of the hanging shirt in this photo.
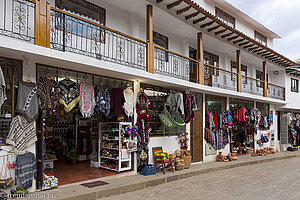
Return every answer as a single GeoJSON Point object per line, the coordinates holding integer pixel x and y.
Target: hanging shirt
{"type": "Point", "coordinates": [241, 114]}
{"type": "Point", "coordinates": [117, 101]}
{"type": "Point", "coordinates": [179, 102]}
{"type": "Point", "coordinates": [25, 169]}
{"type": "Point", "coordinates": [27, 102]}
{"type": "Point", "coordinates": [21, 134]}
{"type": "Point", "coordinates": [87, 100]}
{"type": "Point", "coordinates": [48, 93]}
{"type": "Point", "coordinates": [216, 122]}
{"type": "Point", "coordinates": [102, 98]}
{"type": "Point", "coordinates": [2, 88]}
{"type": "Point", "coordinates": [129, 101]}
{"type": "Point", "coordinates": [68, 94]}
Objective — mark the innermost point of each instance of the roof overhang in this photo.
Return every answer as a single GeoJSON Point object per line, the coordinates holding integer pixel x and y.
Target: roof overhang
{"type": "Point", "coordinates": [202, 20]}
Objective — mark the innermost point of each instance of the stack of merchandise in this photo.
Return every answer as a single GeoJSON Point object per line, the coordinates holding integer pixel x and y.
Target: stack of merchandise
{"type": "Point", "coordinates": [49, 182]}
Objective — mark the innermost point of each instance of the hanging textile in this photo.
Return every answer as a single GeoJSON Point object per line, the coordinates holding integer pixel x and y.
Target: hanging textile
{"type": "Point", "coordinates": [189, 107]}
{"type": "Point", "coordinates": [171, 118]}
{"type": "Point", "coordinates": [179, 102]}
{"type": "Point", "coordinates": [129, 101]}
{"type": "Point", "coordinates": [25, 169]}
{"type": "Point", "coordinates": [68, 94]}
{"type": "Point", "coordinates": [2, 88]}
{"type": "Point", "coordinates": [48, 93]}
{"type": "Point", "coordinates": [142, 106]}
{"type": "Point", "coordinates": [241, 114]}
{"type": "Point", "coordinates": [102, 98]}
{"type": "Point", "coordinates": [117, 101]}
{"type": "Point", "coordinates": [27, 102]}
{"type": "Point", "coordinates": [87, 100]}
{"type": "Point", "coordinates": [21, 134]}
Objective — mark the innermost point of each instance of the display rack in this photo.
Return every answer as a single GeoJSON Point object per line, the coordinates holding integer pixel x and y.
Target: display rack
{"type": "Point", "coordinates": [113, 153]}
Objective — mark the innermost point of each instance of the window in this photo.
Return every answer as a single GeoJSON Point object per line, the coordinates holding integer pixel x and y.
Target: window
{"type": "Point", "coordinates": [161, 41]}
{"type": "Point", "coordinates": [85, 10]}
{"type": "Point", "coordinates": [260, 76]}
{"type": "Point", "coordinates": [211, 59]}
{"type": "Point", "coordinates": [260, 38]}
{"type": "Point", "coordinates": [294, 85]}
{"type": "Point", "coordinates": [158, 97]}
{"type": "Point", "coordinates": [225, 17]}
{"type": "Point", "coordinates": [264, 108]}
{"type": "Point", "coordinates": [243, 70]}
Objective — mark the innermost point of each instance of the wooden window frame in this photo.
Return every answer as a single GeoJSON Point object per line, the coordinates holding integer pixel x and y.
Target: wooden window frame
{"type": "Point", "coordinates": [260, 38]}
{"type": "Point", "coordinates": [294, 85]}
{"type": "Point", "coordinates": [225, 17]}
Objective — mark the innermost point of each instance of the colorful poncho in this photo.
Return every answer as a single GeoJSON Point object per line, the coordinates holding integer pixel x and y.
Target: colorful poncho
{"type": "Point", "coordinates": [87, 100]}
{"type": "Point", "coordinates": [68, 94]}
{"type": "Point", "coordinates": [48, 93]}
{"type": "Point", "coordinates": [142, 106]}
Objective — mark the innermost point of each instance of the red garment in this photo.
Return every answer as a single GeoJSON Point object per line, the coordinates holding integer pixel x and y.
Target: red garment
{"type": "Point", "coordinates": [241, 114]}
{"type": "Point", "coordinates": [142, 107]}
{"type": "Point", "coordinates": [117, 101]}
{"type": "Point", "coordinates": [216, 122]}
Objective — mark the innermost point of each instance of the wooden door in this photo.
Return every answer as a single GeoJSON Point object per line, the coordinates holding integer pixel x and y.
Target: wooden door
{"type": "Point", "coordinates": [197, 137]}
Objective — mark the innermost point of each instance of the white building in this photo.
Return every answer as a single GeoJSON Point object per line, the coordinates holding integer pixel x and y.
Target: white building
{"type": "Point", "coordinates": [208, 48]}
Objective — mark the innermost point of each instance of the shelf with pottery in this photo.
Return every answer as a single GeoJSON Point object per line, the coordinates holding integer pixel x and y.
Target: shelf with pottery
{"type": "Point", "coordinates": [110, 150]}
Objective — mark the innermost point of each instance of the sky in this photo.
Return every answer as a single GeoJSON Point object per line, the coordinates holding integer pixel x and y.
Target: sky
{"type": "Point", "coordinates": [281, 17]}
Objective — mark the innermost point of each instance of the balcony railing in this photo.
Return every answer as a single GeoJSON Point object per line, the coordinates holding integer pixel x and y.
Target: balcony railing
{"type": "Point", "coordinates": [25, 20]}
{"type": "Point", "coordinates": [252, 86]}
{"type": "Point", "coordinates": [17, 19]}
{"type": "Point", "coordinates": [175, 65]}
{"type": "Point", "coordinates": [78, 35]}
{"type": "Point", "coordinates": [276, 91]}
{"type": "Point", "coordinates": [220, 78]}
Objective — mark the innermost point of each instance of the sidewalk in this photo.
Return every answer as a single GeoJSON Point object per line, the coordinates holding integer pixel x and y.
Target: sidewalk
{"type": "Point", "coordinates": [128, 183]}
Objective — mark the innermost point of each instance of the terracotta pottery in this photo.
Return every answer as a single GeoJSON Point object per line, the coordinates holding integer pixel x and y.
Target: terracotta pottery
{"type": "Point", "coordinates": [234, 158]}
{"type": "Point", "coordinates": [220, 157]}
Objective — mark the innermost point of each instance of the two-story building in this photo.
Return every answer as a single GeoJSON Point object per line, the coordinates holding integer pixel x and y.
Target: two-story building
{"type": "Point", "coordinates": [205, 48]}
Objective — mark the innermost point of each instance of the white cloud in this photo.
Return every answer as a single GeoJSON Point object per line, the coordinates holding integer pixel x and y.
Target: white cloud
{"type": "Point", "coordinates": [280, 16]}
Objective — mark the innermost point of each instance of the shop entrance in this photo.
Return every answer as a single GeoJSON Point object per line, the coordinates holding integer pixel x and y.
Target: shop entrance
{"type": "Point", "coordinates": [72, 140]}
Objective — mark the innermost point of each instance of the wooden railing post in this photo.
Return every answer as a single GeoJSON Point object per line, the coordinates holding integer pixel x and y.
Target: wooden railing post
{"type": "Point", "coordinates": [42, 23]}
{"type": "Point", "coordinates": [200, 59]}
{"type": "Point", "coordinates": [239, 69]}
{"type": "Point", "coordinates": [150, 45]}
{"type": "Point", "coordinates": [265, 78]}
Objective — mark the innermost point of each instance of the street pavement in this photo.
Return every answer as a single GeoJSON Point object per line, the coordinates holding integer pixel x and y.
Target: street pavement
{"type": "Point", "coordinates": [277, 180]}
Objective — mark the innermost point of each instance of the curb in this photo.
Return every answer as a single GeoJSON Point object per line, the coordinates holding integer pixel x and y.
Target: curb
{"type": "Point", "coordinates": [167, 179]}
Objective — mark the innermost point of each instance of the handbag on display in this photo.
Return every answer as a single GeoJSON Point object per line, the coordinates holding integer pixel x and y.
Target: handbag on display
{"type": "Point", "coordinates": [132, 144]}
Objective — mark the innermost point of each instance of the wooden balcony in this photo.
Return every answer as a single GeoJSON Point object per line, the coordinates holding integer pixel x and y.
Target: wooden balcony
{"type": "Point", "coordinates": [37, 22]}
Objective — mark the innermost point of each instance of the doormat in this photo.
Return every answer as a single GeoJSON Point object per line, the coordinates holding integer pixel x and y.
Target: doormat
{"type": "Point", "coordinates": [94, 184]}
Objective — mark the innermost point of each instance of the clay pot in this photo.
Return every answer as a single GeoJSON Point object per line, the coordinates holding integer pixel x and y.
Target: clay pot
{"type": "Point", "coordinates": [220, 157]}
{"type": "Point", "coordinates": [234, 158]}
{"type": "Point", "coordinates": [272, 150]}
